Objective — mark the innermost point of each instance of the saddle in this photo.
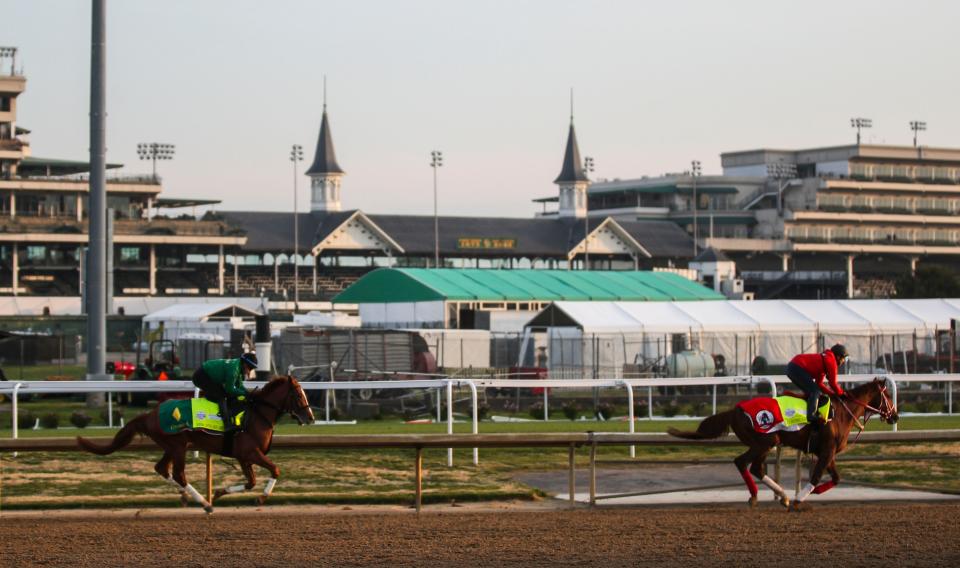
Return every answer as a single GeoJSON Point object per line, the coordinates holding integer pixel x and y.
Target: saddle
{"type": "Point", "coordinates": [781, 414]}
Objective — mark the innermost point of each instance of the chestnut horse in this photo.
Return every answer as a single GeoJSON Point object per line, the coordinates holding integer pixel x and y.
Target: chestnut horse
{"type": "Point", "coordinates": [280, 396]}
{"type": "Point", "coordinates": [854, 409]}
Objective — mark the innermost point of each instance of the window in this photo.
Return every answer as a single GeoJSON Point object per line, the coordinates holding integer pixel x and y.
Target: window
{"type": "Point", "coordinates": [4, 104]}
{"type": "Point", "coordinates": [129, 254]}
{"type": "Point", "coordinates": [36, 252]}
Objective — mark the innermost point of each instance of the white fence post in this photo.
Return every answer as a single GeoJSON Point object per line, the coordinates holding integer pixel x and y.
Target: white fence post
{"type": "Point", "coordinates": [633, 449]}
{"type": "Point", "coordinates": [449, 420]}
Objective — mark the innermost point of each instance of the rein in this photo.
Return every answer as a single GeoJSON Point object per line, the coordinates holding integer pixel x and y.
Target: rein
{"type": "Point", "coordinates": [884, 411]}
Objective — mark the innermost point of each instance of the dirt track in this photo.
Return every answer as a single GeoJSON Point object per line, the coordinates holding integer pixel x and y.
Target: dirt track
{"type": "Point", "coordinates": [538, 535]}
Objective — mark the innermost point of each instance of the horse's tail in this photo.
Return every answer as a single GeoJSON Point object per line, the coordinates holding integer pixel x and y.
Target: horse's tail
{"type": "Point", "coordinates": [711, 427]}
{"type": "Point", "coordinates": [123, 438]}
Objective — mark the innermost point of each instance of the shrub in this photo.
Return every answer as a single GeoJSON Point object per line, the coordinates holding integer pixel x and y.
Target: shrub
{"type": "Point", "coordinates": [536, 410]}
{"type": "Point", "coordinates": [570, 410]}
{"type": "Point", "coordinates": [80, 419]}
{"type": "Point", "coordinates": [50, 420]}
{"type": "Point", "coordinates": [670, 409]}
{"type": "Point", "coordinates": [483, 410]}
{"type": "Point", "coordinates": [603, 411]}
{"type": "Point", "coordinates": [25, 420]}
{"type": "Point", "coordinates": [104, 416]}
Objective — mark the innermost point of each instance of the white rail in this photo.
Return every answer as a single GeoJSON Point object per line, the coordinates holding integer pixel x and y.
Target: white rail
{"type": "Point", "coordinates": [83, 387]}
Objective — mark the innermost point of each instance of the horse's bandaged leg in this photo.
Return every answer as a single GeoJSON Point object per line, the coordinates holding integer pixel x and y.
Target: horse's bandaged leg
{"type": "Point", "coordinates": [196, 496]}
{"type": "Point", "coordinates": [173, 482]}
{"type": "Point", "coordinates": [769, 482]}
{"type": "Point", "coordinates": [236, 489]}
{"type": "Point", "coordinates": [268, 487]}
{"type": "Point", "coordinates": [824, 487]}
{"type": "Point", "coordinates": [807, 490]}
{"type": "Point", "coordinates": [751, 484]}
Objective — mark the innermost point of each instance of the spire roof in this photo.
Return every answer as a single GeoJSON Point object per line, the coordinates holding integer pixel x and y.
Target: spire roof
{"type": "Point", "coordinates": [572, 165]}
{"type": "Point", "coordinates": [325, 160]}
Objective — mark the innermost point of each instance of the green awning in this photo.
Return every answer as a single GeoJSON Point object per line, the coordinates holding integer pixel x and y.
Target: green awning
{"type": "Point", "coordinates": [395, 285]}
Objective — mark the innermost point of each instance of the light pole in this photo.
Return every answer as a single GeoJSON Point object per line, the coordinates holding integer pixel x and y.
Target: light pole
{"type": "Point", "coordinates": [436, 161]}
{"type": "Point", "coordinates": [154, 151]}
{"type": "Point", "coordinates": [694, 174]}
{"type": "Point", "coordinates": [860, 123]}
{"type": "Point", "coordinates": [588, 169]}
{"type": "Point", "coordinates": [296, 155]}
{"type": "Point", "coordinates": [917, 126]}
{"type": "Point", "coordinates": [783, 173]}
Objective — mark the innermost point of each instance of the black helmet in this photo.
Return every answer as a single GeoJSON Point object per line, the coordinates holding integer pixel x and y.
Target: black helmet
{"type": "Point", "coordinates": [249, 359]}
{"type": "Point", "coordinates": [839, 353]}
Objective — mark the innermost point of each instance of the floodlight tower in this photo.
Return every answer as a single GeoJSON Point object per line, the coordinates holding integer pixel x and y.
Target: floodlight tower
{"type": "Point", "coordinates": [436, 161]}
{"type": "Point", "coordinates": [588, 167]}
{"type": "Point", "coordinates": [783, 173]}
{"type": "Point", "coordinates": [154, 151]}
{"type": "Point", "coordinates": [296, 155]}
{"type": "Point", "coordinates": [860, 123]}
{"type": "Point", "coordinates": [695, 171]}
{"type": "Point", "coordinates": [917, 126]}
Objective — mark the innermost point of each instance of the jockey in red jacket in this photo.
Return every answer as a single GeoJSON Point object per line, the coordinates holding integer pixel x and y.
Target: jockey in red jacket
{"type": "Point", "coordinates": [808, 371]}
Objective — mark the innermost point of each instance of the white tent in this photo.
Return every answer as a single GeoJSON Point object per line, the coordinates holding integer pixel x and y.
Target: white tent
{"type": "Point", "coordinates": [740, 331]}
{"type": "Point", "coordinates": [215, 318]}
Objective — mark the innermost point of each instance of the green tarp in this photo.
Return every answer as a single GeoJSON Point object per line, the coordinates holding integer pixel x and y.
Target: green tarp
{"type": "Point", "coordinates": [392, 285]}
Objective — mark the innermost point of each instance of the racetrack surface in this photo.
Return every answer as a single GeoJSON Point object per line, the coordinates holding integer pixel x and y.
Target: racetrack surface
{"type": "Point", "coordinates": [542, 534]}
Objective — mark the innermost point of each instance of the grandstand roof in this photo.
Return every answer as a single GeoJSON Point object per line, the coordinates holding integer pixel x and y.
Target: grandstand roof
{"type": "Point", "coordinates": [392, 285]}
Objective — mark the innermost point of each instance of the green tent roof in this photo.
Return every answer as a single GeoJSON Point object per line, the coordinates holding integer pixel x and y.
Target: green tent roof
{"type": "Point", "coordinates": [388, 285]}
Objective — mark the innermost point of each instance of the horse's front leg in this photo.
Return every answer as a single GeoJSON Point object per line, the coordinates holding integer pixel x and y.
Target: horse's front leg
{"type": "Point", "coordinates": [263, 461]}
{"type": "Point", "coordinates": [248, 473]}
{"type": "Point", "coordinates": [834, 479]}
{"type": "Point", "coordinates": [825, 458]}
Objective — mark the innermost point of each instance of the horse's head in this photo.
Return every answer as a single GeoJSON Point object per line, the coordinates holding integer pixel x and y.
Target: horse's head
{"type": "Point", "coordinates": [881, 401]}
{"type": "Point", "coordinates": [287, 395]}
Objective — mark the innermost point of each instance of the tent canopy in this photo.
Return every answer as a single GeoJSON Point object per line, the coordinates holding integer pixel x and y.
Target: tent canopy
{"type": "Point", "coordinates": [199, 313]}
{"type": "Point", "coordinates": [394, 285]}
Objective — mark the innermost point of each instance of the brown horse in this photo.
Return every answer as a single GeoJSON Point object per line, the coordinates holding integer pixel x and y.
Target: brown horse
{"type": "Point", "coordinates": [282, 395]}
{"type": "Point", "coordinates": [852, 410]}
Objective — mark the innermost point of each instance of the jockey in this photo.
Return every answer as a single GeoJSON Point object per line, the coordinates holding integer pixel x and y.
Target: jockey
{"type": "Point", "coordinates": [221, 381]}
{"type": "Point", "coordinates": [808, 370]}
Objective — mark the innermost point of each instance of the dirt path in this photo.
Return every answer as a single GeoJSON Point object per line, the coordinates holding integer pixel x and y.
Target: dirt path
{"type": "Point", "coordinates": [849, 535]}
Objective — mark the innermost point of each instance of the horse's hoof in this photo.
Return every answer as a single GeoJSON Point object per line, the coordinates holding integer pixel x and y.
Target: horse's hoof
{"type": "Point", "coordinates": [184, 500]}
{"type": "Point", "coordinates": [261, 500]}
{"type": "Point", "coordinates": [798, 507]}
{"type": "Point", "coordinates": [218, 494]}
{"type": "Point", "coordinates": [208, 509]}
{"type": "Point", "coordinates": [785, 501]}
{"type": "Point", "coordinates": [752, 502]}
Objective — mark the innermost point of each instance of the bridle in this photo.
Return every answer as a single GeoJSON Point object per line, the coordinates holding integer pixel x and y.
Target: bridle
{"type": "Point", "coordinates": [285, 407]}
{"type": "Point", "coordinates": [886, 409]}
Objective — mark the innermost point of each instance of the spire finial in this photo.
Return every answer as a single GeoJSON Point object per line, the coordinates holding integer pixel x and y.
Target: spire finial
{"type": "Point", "coordinates": [571, 105]}
{"type": "Point", "coordinates": [324, 93]}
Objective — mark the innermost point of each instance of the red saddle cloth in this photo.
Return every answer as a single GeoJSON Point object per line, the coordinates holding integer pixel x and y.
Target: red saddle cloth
{"type": "Point", "coordinates": [764, 413]}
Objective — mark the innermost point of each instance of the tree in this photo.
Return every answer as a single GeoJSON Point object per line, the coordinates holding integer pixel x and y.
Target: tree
{"type": "Point", "coordinates": [929, 282]}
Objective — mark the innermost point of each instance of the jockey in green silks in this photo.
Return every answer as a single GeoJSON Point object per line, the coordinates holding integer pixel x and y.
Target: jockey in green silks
{"type": "Point", "coordinates": [221, 381]}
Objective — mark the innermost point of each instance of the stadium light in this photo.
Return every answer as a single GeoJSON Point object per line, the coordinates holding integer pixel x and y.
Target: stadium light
{"type": "Point", "coordinates": [695, 171]}
{"type": "Point", "coordinates": [436, 161]}
{"type": "Point", "coordinates": [783, 173]}
{"type": "Point", "coordinates": [860, 123]}
{"type": "Point", "coordinates": [154, 151]}
{"type": "Point", "coordinates": [588, 168]}
{"type": "Point", "coordinates": [11, 53]}
{"type": "Point", "coordinates": [296, 155]}
{"type": "Point", "coordinates": [917, 126]}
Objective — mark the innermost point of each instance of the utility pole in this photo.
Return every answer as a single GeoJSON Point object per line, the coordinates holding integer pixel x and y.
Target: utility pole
{"type": "Point", "coordinates": [694, 174]}
{"type": "Point", "coordinates": [97, 236]}
{"type": "Point", "coordinates": [917, 126]}
{"type": "Point", "coordinates": [860, 123]}
{"type": "Point", "coordinates": [436, 161]}
{"type": "Point", "coordinates": [296, 155]}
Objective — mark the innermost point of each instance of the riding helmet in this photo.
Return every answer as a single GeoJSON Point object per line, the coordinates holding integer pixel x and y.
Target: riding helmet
{"type": "Point", "coordinates": [839, 352]}
{"type": "Point", "coordinates": [249, 359]}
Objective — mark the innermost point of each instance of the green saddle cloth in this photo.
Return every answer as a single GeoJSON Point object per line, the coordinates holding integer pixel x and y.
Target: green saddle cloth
{"type": "Point", "coordinates": [191, 414]}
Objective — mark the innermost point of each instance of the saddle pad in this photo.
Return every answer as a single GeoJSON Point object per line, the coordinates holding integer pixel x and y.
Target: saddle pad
{"type": "Point", "coordinates": [783, 413]}
{"type": "Point", "coordinates": [190, 414]}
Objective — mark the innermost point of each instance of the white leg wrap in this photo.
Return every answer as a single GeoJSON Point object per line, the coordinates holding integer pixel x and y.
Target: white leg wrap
{"type": "Point", "coordinates": [807, 489]}
{"type": "Point", "coordinates": [769, 482]}
{"type": "Point", "coordinates": [173, 482]}
{"type": "Point", "coordinates": [268, 487]}
{"type": "Point", "coordinates": [196, 495]}
{"type": "Point", "coordinates": [236, 489]}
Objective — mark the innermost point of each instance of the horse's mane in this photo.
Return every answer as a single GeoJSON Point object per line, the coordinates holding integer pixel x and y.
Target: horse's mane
{"type": "Point", "coordinates": [272, 385]}
{"type": "Point", "coordinates": [861, 389]}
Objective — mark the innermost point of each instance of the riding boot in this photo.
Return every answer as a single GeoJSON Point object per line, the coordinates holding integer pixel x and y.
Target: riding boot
{"type": "Point", "coordinates": [227, 416]}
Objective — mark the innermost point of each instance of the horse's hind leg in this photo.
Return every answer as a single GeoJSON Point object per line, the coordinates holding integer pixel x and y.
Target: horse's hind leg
{"type": "Point", "coordinates": [162, 468]}
{"type": "Point", "coordinates": [263, 461]}
{"type": "Point", "coordinates": [742, 461]}
{"type": "Point", "coordinates": [180, 480]}
{"type": "Point", "coordinates": [759, 469]}
{"type": "Point", "coordinates": [248, 473]}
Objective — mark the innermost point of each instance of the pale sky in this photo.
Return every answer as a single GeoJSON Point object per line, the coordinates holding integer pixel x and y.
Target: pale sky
{"type": "Point", "coordinates": [233, 83]}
